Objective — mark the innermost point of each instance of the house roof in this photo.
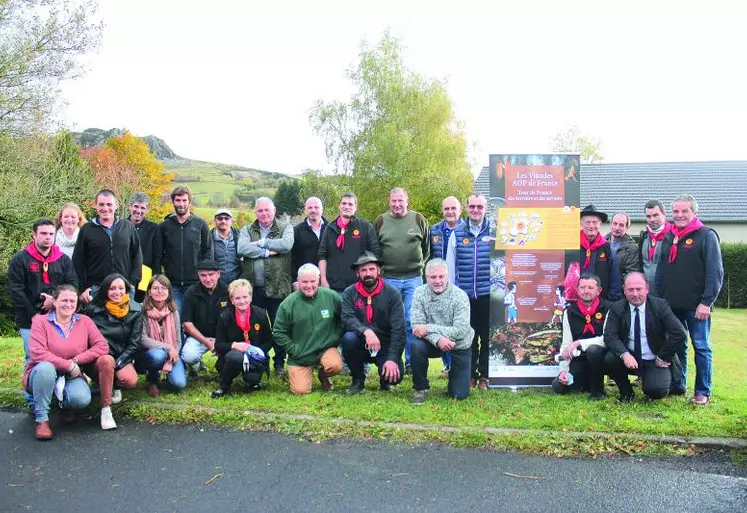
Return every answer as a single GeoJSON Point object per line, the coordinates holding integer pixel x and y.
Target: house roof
{"type": "Point", "coordinates": [719, 186]}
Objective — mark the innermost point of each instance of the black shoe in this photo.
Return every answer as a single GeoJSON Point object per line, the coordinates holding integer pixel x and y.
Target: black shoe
{"type": "Point", "coordinates": [627, 397]}
{"type": "Point", "coordinates": [408, 370]}
{"type": "Point", "coordinates": [677, 391]}
{"type": "Point", "coordinates": [356, 387]}
{"type": "Point", "coordinates": [385, 386]}
{"type": "Point", "coordinates": [280, 372]}
{"type": "Point", "coordinates": [597, 396]}
{"type": "Point", "coordinates": [219, 392]}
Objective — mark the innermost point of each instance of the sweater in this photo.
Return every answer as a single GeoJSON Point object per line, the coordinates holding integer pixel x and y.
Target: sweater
{"type": "Point", "coordinates": [445, 315]}
{"type": "Point", "coordinates": [307, 326]}
{"type": "Point", "coordinates": [405, 244]}
{"type": "Point", "coordinates": [84, 343]}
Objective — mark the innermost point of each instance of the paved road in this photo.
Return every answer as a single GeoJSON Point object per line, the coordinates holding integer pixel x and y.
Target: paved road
{"type": "Point", "coordinates": [148, 468]}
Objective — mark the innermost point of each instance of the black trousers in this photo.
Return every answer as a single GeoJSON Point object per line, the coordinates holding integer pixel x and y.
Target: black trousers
{"type": "Point", "coordinates": [479, 319]}
{"type": "Point", "coordinates": [655, 380]}
{"type": "Point", "coordinates": [587, 370]}
{"type": "Point", "coordinates": [232, 365]}
{"type": "Point", "coordinates": [356, 355]}
{"type": "Point", "coordinates": [270, 304]}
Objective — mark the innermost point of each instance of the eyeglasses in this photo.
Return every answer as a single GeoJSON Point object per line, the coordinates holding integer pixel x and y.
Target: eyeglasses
{"type": "Point", "coordinates": [159, 287]}
{"type": "Point", "coordinates": [476, 207]}
{"type": "Point", "coordinates": [222, 218]}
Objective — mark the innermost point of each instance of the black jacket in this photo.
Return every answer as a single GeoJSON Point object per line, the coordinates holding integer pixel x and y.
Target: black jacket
{"type": "Point", "coordinates": [360, 236]}
{"type": "Point", "coordinates": [227, 332]}
{"type": "Point", "coordinates": [26, 284]}
{"type": "Point", "coordinates": [123, 335]}
{"type": "Point", "coordinates": [203, 309]}
{"type": "Point", "coordinates": [305, 246]}
{"type": "Point", "coordinates": [96, 256]}
{"type": "Point", "coordinates": [150, 244]}
{"type": "Point", "coordinates": [388, 318]}
{"type": "Point", "coordinates": [183, 246]}
{"type": "Point", "coordinates": [664, 331]}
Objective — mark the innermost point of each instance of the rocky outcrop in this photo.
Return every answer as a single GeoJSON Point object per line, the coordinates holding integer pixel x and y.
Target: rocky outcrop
{"type": "Point", "coordinates": [96, 137]}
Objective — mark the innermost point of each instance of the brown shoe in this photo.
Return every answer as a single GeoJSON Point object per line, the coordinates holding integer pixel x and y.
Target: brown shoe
{"type": "Point", "coordinates": [472, 382]}
{"type": "Point", "coordinates": [67, 416]}
{"type": "Point", "coordinates": [153, 390]}
{"type": "Point", "coordinates": [483, 384]}
{"type": "Point", "coordinates": [327, 384]}
{"type": "Point", "coordinates": [43, 431]}
{"type": "Point", "coordinates": [700, 400]}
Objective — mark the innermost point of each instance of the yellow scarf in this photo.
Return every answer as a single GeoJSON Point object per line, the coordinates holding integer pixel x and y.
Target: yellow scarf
{"type": "Point", "coordinates": [118, 310]}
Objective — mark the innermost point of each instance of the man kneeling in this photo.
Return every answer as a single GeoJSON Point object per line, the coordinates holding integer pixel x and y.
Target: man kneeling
{"type": "Point", "coordinates": [307, 326]}
{"type": "Point", "coordinates": [643, 337]}
{"type": "Point", "coordinates": [582, 350]}
{"type": "Point", "coordinates": [440, 317]}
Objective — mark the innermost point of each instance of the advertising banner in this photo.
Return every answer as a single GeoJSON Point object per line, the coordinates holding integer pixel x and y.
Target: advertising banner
{"type": "Point", "coordinates": [535, 200]}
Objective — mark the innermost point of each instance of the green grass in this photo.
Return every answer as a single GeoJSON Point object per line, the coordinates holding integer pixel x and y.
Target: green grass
{"type": "Point", "coordinates": [529, 409]}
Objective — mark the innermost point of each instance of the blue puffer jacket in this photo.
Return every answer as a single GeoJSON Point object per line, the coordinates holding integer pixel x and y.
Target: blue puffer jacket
{"type": "Point", "coordinates": [473, 260]}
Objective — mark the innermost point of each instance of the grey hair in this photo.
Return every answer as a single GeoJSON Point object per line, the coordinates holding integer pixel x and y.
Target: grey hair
{"type": "Point", "coordinates": [398, 190]}
{"type": "Point", "coordinates": [314, 198]}
{"type": "Point", "coordinates": [264, 199]}
{"type": "Point", "coordinates": [309, 269]}
{"type": "Point", "coordinates": [453, 198]}
{"type": "Point", "coordinates": [436, 262]}
{"type": "Point", "coordinates": [689, 198]}
{"type": "Point", "coordinates": [139, 197]}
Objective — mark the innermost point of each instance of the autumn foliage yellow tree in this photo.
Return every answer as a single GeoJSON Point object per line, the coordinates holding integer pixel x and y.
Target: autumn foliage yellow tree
{"type": "Point", "coordinates": [126, 165]}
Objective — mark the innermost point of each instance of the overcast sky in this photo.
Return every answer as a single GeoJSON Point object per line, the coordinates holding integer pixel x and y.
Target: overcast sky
{"type": "Point", "coordinates": [233, 82]}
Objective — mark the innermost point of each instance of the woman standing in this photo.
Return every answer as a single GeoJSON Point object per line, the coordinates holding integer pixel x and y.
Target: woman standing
{"type": "Point", "coordinates": [68, 221]}
{"type": "Point", "coordinates": [162, 336]}
{"type": "Point", "coordinates": [242, 339]}
{"type": "Point", "coordinates": [120, 321]}
{"type": "Point", "coordinates": [63, 345]}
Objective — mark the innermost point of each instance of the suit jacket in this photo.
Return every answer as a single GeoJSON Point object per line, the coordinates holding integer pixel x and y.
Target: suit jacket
{"type": "Point", "coordinates": [664, 331]}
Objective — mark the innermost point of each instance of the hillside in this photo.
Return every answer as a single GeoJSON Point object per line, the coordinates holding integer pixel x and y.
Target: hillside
{"type": "Point", "coordinates": [213, 184]}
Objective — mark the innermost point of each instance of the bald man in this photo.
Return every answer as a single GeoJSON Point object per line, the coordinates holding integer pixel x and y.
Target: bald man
{"type": "Point", "coordinates": [306, 237]}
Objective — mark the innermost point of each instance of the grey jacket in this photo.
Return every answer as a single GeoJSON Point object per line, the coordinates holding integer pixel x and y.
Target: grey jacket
{"type": "Point", "coordinates": [445, 315]}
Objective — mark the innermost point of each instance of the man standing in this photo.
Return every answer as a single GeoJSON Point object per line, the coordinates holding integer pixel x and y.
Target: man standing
{"type": "Point", "coordinates": [343, 241]}
{"type": "Point", "coordinates": [468, 260]}
{"type": "Point", "coordinates": [186, 241]}
{"type": "Point", "coordinates": [689, 276]}
{"type": "Point", "coordinates": [307, 326]}
{"type": "Point", "coordinates": [405, 247]}
{"type": "Point", "coordinates": [225, 240]}
{"type": "Point", "coordinates": [149, 234]}
{"type": "Point", "coordinates": [439, 238]}
{"type": "Point", "coordinates": [643, 337]}
{"type": "Point", "coordinates": [595, 255]}
{"type": "Point", "coordinates": [441, 325]}
{"type": "Point", "coordinates": [203, 303]}
{"type": "Point", "coordinates": [33, 275]}
{"type": "Point", "coordinates": [307, 236]}
{"type": "Point", "coordinates": [374, 326]}
{"type": "Point", "coordinates": [106, 245]}
{"type": "Point", "coordinates": [582, 350]}
{"type": "Point", "coordinates": [652, 237]}
{"type": "Point", "coordinates": [627, 259]}
{"type": "Point", "coordinates": [266, 246]}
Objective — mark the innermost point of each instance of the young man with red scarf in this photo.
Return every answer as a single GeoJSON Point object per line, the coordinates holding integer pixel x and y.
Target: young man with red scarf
{"type": "Point", "coordinates": [582, 350]}
{"type": "Point", "coordinates": [373, 318]}
{"type": "Point", "coordinates": [689, 276]}
{"type": "Point", "coordinates": [33, 275]}
{"type": "Point", "coordinates": [596, 255]}
{"type": "Point", "coordinates": [657, 227]}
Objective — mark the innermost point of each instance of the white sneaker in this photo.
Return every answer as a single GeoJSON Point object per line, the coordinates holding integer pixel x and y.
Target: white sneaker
{"type": "Point", "coordinates": [107, 421]}
{"type": "Point", "coordinates": [116, 396]}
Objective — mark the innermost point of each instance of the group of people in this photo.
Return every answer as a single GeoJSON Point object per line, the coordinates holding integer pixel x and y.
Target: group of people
{"type": "Point", "coordinates": [323, 295]}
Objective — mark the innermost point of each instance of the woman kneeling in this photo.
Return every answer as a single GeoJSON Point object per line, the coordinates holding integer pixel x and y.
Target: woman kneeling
{"type": "Point", "coordinates": [242, 338]}
{"type": "Point", "coordinates": [63, 345]}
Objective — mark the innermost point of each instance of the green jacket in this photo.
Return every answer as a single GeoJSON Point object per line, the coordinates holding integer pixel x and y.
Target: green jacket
{"type": "Point", "coordinates": [277, 268]}
{"type": "Point", "coordinates": [307, 326]}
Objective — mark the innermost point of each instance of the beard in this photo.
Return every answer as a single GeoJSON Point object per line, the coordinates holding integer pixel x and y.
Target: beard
{"type": "Point", "coordinates": [370, 282]}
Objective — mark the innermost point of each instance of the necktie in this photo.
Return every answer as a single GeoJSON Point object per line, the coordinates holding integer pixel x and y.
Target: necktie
{"type": "Point", "coordinates": [637, 336]}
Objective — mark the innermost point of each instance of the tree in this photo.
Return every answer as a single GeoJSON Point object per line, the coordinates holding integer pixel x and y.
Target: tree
{"type": "Point", "coordinates": [288, 198]}
{"type": "Point", "coordinates": [328, 188]}
{"type": "Point", "coordinates": [40, 43]}
{"type": "Point", "coordinates": [397, 130]}
{"type": "Point", "coordinates": [571, 141]}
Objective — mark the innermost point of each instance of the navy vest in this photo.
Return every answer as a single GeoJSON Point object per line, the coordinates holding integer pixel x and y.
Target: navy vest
{"type": "Point", "coordinates": [439, 238]}
{"type": "Point", "coordinates": [473, 260]}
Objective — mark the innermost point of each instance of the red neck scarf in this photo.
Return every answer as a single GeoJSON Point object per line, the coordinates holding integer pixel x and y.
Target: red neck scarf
{"type": "Point", "coordinates": [590, 247]}
{"type": "Point", "coordinates": [656, 237]}
{"type": "Point", "coordinates": [681, 233]}
{"type": "Point", "coordinates": [588, 313]}
{"type": "Point", "coordinates": [54, 254]}
{"type": "Point", "coordinates": [343, 227]}
{"type": "Point", "coordinates": [369, 296]}
{"type": "Point", "coordinates": [244, 322]}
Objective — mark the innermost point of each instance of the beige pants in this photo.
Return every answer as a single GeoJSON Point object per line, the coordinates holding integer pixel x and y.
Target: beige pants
{"type": "Point", "coordinates": [300, 377]}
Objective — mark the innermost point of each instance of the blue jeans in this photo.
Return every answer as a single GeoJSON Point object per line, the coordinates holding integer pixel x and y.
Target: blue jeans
{"type": "Point", "coordinates": [75, 396]}
{"type": "Point", "coordinates": [461, 362]}
{"type": "Point", "coordinates": [154, 361]}
{"type": "Point", "coordinates": [700, 335]}
{"type": "Point", "coordinates": [406, 288]}
{"type": "Point", "coordinates": [192, 351]}
{"type": "Point", "coordinates": [25, 336]}
{"type": "Point", "coordinates": [179, 292]}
